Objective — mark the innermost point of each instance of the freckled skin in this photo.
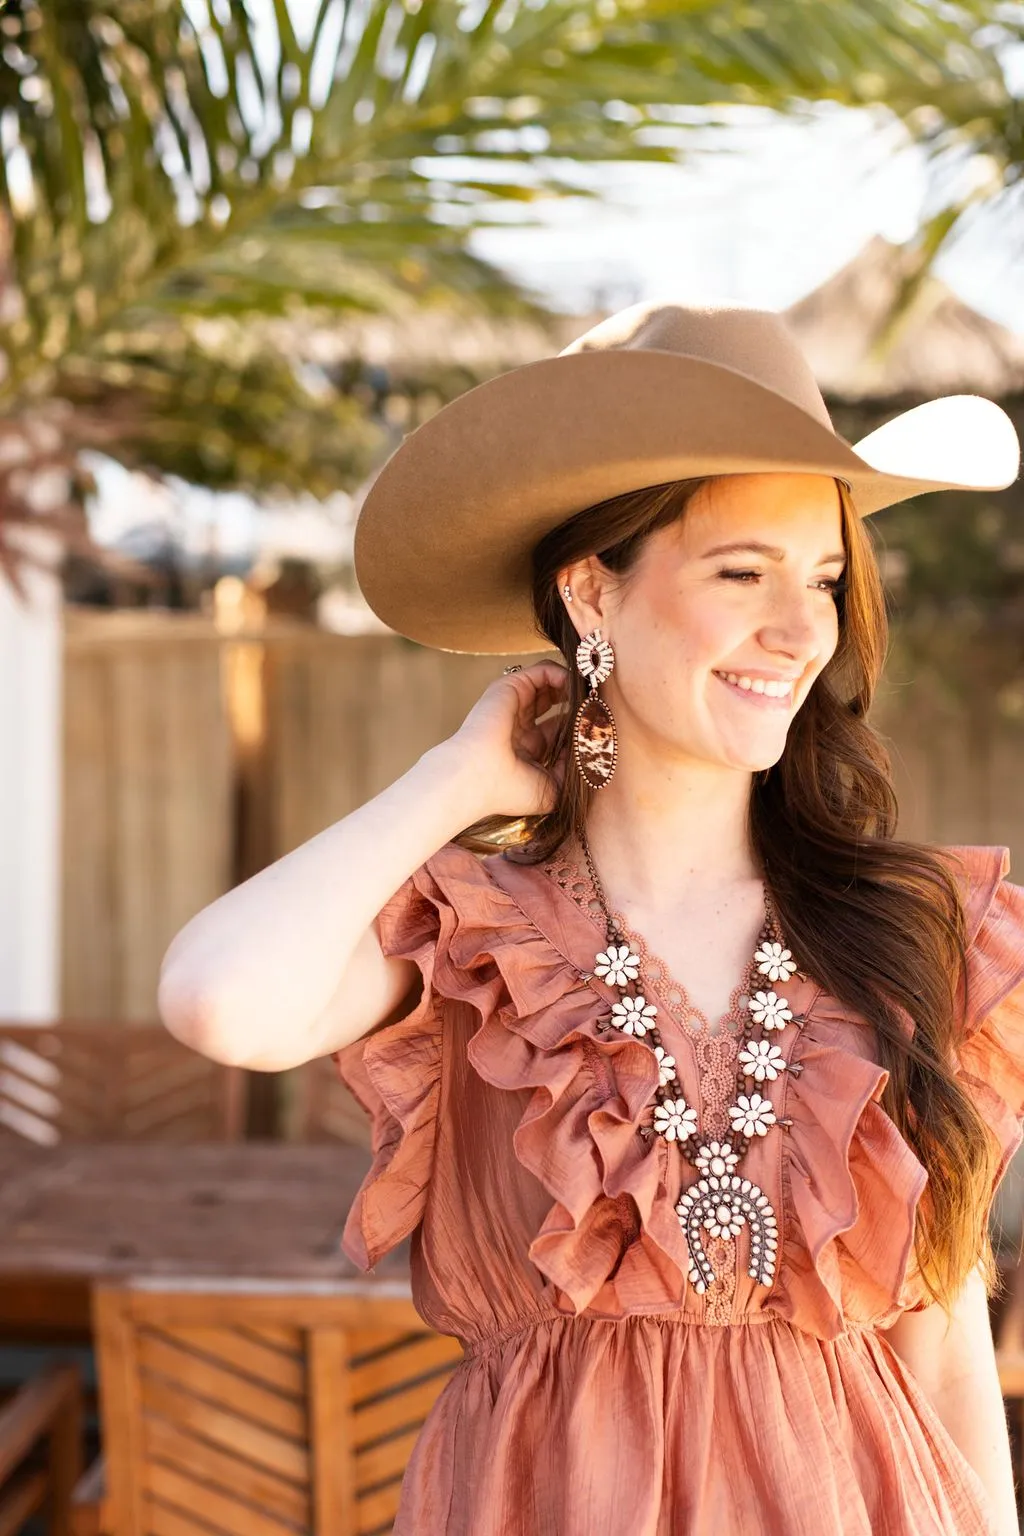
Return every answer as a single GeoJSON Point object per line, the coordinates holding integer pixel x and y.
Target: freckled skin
{"type": "Point", "coordinates": [678, 619]}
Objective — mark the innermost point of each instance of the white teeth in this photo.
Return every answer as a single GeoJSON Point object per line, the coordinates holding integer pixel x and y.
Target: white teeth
{"type": "Point", "coordinates": [772, 688]}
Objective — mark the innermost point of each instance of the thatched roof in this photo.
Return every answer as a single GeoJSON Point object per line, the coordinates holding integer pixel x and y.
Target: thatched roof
{"type": "Point", "coordinates": [940, 346]}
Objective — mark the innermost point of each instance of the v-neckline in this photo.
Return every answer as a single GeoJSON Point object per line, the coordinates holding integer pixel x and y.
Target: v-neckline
{"type": "Point", "coordinates": [566, 872]}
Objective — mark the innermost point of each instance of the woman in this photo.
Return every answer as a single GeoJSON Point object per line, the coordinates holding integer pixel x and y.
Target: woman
{"type": "Point", "coordinates": [695, 1095]}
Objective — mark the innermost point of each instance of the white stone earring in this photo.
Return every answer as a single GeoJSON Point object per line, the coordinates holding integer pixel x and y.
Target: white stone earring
{"type": "Point", "coordinates": [595, 745]}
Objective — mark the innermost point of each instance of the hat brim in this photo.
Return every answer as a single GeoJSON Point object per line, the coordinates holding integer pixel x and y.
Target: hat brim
{"type": "Point", "coordinates": [444, 540]}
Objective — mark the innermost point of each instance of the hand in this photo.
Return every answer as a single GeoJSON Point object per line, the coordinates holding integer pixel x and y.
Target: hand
{"type": "Point", "coordinates": [506, 739]}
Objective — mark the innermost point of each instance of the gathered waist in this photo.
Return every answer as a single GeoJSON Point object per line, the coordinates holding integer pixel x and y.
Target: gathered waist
{"type": "Point", "coordinates": [487, 1343]}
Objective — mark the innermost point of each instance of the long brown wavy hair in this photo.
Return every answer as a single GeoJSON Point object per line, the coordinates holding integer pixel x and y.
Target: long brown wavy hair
{"type": "Point", "coordinates": [877, 921]}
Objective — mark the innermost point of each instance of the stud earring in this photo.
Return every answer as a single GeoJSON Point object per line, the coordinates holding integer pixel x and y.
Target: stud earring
{"type": "Point", "coordinates": [567, 592]}
{"type": "Point", "coordinates": [595, 745]}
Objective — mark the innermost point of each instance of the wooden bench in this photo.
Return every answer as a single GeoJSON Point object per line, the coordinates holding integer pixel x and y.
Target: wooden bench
{"type": "Point", "coordinates": [45, 1412]}
{"type": "Point", "coordinates": [261, 1410]}
{"type": "Point", "coordinates": [83, 1081]}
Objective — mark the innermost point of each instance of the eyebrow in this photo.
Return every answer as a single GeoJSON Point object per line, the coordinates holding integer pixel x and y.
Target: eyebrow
{"type": "Point", "coordinates": [771, 551]}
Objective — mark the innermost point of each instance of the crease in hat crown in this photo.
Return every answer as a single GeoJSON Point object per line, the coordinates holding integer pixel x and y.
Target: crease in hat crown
{"type": "Point", "coordinates": [659, 392]}
{"type": "Point", "coordinates": [754, 342]}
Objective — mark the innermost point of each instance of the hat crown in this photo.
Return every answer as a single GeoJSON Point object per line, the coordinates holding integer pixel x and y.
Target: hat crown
{"type": "Point", "coordinates": [754, 342]}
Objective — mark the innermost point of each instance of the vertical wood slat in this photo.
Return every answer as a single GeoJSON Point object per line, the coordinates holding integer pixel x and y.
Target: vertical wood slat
{"type": "Point", "coordinates": [332, 1433]}
{"type": "Point", "coordinates": [957, 768]}
{"type": "Point", "coordinates": [347, 715]}
{"type": "Point", "coordinates": [148, 793]}
{"type": "Point", "coordinates": [120, 1403]}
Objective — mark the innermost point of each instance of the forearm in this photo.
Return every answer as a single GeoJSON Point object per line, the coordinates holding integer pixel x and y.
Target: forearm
{"type": "Point", "coordinates": [971, 1409]}
{"type": "Point", "coordinates": [953, 1361]}
{"type": "Point", "coordinates": [268, 955]}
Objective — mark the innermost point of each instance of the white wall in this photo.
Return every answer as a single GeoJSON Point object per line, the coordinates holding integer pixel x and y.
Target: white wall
{"type": "Point", "coordinates": [30, 809]}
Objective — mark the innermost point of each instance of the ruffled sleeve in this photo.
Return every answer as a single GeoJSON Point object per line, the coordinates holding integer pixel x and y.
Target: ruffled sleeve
{"type": "Point", "coordinates": [395, 1073]}
{"type": "Point", "coordinates": [449, 919]}
{"type": "Point", "coordinates": [991, 1054]}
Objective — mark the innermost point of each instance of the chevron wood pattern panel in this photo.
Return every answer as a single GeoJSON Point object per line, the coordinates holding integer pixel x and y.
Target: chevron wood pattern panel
{"type": "Point", "coordinates": [112, 1082]}
{"type": "Point", "coordinates": [270, 1413]}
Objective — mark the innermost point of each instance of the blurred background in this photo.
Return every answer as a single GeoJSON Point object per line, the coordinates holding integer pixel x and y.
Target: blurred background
{"type": "Point", "coordinates": [246, 245]}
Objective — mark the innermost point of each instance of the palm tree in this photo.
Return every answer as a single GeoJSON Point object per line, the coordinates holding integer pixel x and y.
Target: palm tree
{"type": "Point", "coordinates": [177, 173]}
{"type": "Point", "coordinates": [972, 128]}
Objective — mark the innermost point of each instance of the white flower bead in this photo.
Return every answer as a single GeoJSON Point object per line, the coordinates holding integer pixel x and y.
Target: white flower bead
{"type": "Point", "coordinates": [617, 965]}
{"type": "Point", "coordinates": [761, 1060]}
{"type": "Point", "coordinates": [775, 962]}
{"type": "Point", "coordinates": [752, 1116]}
{"type": "Point", "coordinates": [666, 1065]}
{"type": "Point", "coordinates": [716, 1157]}
{"type": "Point", "coordinates": [769, 1010]}
{"type": "Point", "coordinates": [725, 1220]}
{"type": "Point", "coordinates": [675, 1120]}
{"type": "Point", "coordinates": [634, 1015]}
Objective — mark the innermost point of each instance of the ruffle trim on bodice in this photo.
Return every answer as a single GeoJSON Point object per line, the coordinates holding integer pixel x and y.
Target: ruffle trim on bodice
{"type": "Point", "coordinates": [501, 939]}
{"type": "Point", "coordinates": [991, 1054]}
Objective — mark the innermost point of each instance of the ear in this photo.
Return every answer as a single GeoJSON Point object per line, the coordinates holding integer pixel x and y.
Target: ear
{"type": "Point", "coordinates": [590, 586]}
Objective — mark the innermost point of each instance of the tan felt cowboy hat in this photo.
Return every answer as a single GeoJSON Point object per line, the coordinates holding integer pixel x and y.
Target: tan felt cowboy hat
{"type": "Point", "coordinates": [657, 392]}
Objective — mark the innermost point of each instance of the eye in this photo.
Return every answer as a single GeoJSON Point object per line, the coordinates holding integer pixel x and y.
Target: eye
{"type": "Point", "coordinates": [735, 575]}
{"type": "Point", "coordinates": [833, 585]}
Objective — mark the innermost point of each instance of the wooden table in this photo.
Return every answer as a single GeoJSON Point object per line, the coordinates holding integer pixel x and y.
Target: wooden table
{"type": "Point", "coordinates": [77, 1213]}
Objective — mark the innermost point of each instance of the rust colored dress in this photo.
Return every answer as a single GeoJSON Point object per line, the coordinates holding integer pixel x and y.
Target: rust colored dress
{"type": "Point", "coordinates": [600, 1395]}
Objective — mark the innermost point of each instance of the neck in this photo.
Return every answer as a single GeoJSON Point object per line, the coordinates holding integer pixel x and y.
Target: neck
{"type": "Point", "coordinates": [661, 832]}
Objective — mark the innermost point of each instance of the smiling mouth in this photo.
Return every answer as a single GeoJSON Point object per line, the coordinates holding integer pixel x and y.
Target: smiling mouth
{"type": "Point", "coordinates": [767, 692]}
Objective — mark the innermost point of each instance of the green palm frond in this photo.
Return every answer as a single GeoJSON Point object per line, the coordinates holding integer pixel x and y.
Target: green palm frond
{"type": "Point", "coordinates": [972, 128]}
{"type": "Point", "coordinates": [166, 161]}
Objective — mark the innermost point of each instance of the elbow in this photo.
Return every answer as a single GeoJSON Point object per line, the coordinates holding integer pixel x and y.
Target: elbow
{"type": "Point", "coordinates": [191, 1014]}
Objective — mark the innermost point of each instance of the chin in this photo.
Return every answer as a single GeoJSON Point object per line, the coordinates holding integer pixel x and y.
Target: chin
{"type": "Point", "coordinates": [753, 761]}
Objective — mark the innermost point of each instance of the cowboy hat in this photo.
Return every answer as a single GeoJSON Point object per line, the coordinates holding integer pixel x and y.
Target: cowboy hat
{"type": "Point", "coordinates": [657, 392]}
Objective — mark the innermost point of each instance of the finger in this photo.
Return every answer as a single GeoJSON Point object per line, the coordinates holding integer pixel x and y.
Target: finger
{"type": "Point", "coordinates": [536, 742]}
{"type": "Point", "coordinates": [546, 706]}
{"type": "Point", "coordinates": [540, 674]}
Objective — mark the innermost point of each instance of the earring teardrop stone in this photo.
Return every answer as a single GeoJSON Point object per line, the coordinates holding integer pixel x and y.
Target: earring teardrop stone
{"type": "Point", "coordinates": [594, 741]}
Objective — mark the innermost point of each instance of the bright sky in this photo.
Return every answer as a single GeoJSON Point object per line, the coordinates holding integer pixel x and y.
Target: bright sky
{"type": "Point", "coordinates": [762, 223]}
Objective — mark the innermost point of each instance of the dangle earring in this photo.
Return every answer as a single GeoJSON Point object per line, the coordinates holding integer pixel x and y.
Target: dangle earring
{"type": "Point", "coordinates": [594, 741]}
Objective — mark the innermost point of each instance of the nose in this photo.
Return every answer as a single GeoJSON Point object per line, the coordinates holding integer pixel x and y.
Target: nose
{"type": "Point", "coordinates": [794, 627]}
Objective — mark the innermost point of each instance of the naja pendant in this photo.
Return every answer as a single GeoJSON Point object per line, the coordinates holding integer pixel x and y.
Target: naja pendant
{"type": "Point", "coordinates": [723, 1206]}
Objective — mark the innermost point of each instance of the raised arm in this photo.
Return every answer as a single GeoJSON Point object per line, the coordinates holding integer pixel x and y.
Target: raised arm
{"type": "Point", "coordinates": [288, 966]}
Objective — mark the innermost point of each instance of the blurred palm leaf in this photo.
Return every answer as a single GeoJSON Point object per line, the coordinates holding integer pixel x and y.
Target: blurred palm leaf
{"type": "Point", "coordinates": [972, 128]}
{"type": "Point", "coordinates": [163, 160]}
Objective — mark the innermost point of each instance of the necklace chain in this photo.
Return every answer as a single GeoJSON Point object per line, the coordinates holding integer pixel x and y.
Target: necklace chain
{"type": "Point", "coordinates": [721, 1201]}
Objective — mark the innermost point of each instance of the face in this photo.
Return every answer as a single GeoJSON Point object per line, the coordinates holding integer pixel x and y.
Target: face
{"type": "Point", "coordinates": [725, 620]}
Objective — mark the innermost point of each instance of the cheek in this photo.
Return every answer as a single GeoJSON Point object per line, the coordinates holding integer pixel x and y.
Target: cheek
{"type": "Point", "coordinates": [829, 634]}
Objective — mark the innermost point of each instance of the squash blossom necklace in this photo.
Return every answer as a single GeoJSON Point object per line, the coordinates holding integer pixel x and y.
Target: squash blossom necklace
{"type": "Point", "coordinates": [721, 1201]}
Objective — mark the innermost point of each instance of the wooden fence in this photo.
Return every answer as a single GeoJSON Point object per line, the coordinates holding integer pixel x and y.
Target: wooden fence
{"type": "Point", "coordinates": [193, 758]}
